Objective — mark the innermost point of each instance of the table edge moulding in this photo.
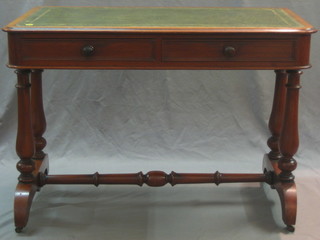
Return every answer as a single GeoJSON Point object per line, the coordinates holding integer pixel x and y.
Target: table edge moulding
{"type": "Point", "coordinates": [158, 38]}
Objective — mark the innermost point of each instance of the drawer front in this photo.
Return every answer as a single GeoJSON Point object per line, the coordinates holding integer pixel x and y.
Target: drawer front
{"type": "Point", "coordinates": [86, 51]}
{"type": "Point", "coordinates": [158, 51]}
{"type": "Point", "coordinates": [211, 50]}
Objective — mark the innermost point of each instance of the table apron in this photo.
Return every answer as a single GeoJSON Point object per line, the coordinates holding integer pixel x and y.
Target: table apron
{"type": "Point", "coordinates": [158, 51]}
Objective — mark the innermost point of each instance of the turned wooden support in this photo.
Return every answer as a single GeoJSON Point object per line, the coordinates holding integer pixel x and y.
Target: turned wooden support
{"type": "Point", "coordinates": [25, 146]}
{"type": "Point", "coordinates": [153, 178]}
{"type": "Point", "coordinates": [277, 114]}
{"type": "Point", "coordinates": [289, 139]}
{"type": "Point", "coordinates": [37, 113]}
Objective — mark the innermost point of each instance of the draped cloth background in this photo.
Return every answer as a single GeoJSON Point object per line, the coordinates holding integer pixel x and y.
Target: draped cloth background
{"type": "Point", "coordinates": [185, 121]}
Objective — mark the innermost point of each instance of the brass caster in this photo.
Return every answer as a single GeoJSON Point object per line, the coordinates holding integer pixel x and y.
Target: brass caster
{"type": "Point", "coordinates": [18, 229]}
{"type": "Point", "coordinates": [290, 228]}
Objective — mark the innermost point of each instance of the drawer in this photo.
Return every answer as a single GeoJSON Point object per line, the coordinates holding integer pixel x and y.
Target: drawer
{"type": "Point", "coordinates": [86, 51]}
{"type": "Point", "coordinates": [243, 50]}
{"type": "Point", "coordinates": [158, 51]}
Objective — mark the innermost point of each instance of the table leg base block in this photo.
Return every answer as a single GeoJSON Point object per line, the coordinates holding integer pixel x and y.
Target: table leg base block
{"type": "Point", "coordinates": [25, 193]}
{"type": "Point", "coordinates": [287, 192]}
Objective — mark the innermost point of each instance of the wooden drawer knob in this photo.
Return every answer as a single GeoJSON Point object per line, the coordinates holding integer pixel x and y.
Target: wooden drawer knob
{"type": "Point", "coordinates": [87, 50]}
{"type": "Point", "coordinates": [229, 51]}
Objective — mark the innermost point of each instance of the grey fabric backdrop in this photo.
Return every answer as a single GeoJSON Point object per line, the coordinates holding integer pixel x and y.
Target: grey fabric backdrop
{"type": "Point", "coordinates": [186, 121]}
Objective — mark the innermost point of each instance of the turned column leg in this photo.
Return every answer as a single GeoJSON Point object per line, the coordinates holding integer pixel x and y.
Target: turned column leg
{"type": "Point", "coordinates": [284, 142]}
{"type": "Point", "coordinates": [288, 144]}
{"type": "Point", "coordinates": [37, 113]}
{"type": "Point", "coordinates": [25, 143]}
{"type": "Point", "coordinates": [29, 145]}
{"type": "Point", "coordinates": [289, 139]}
{"type": "Point", "coordinates": [277, 113]}
{"type": "Point", "coordinates": [25, 148]}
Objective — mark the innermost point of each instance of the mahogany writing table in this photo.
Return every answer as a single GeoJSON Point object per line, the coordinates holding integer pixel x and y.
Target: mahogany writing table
{"type": "Point", "coordinates": [158, 38]}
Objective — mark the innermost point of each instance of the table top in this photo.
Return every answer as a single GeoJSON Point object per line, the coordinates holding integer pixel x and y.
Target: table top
{"type": "Point", "coordinates": [178, 19]}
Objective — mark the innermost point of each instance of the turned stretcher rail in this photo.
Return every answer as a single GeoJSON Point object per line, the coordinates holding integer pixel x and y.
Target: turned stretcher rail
{"type": "Point", "coordinates": [154, 178]}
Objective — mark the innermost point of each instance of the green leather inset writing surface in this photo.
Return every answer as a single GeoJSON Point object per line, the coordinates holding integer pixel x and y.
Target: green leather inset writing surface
{"type": "Point", "coordinates": [116, 17]}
